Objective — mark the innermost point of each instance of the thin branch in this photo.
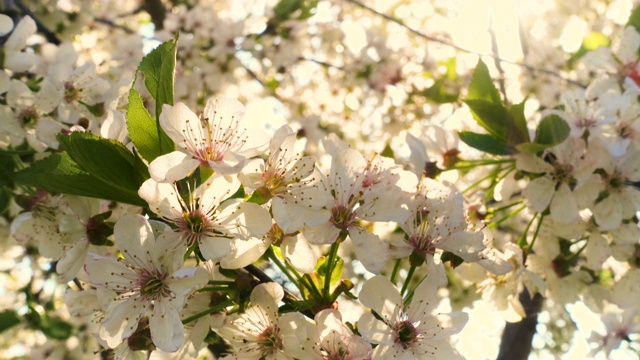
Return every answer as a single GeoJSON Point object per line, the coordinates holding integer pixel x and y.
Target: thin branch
{"type": "Point", "coordinates": [114, 25]}
{"type": "Point", "coordinates": [48, 34]}
{"type": "Point", "coordinates": [461, 49]}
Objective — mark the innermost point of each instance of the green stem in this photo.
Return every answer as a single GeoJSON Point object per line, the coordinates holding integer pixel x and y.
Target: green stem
{"type": "Point", "coordinates": [494, 225]}
{"type": "Point", "coordinates": [214, 288]}
{"type": "Point", "coordinates": [407, 280]}
{"type": "Point", "coordinates": [475, 184]}
{"type": "Point", "coordinates": [522, 241]}
{"type": "Point", "coordinates": [302, 281]}
{"type": "Point", "coordinates": [535, 234]}
{"type": "Point", "coordinates": [272, 255]}
{"type": "Point", "coordinates": [506, 206]}
{"type": "Point", "coordinates": [333, 252]}
{"type": "Point", "coordinates": [209, 311]}
{"type": "Point", "coordinates": [470, 164]}
{"type": "Point", "coordinates": [394, 273]}
{"type": "Point", "coordinates": [312, 286]}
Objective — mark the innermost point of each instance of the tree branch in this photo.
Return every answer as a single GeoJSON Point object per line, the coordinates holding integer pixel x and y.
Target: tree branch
{"type": "Point", "coordinates": [48, 34]}
{"type": "Point", "coordinates": [516, 337]}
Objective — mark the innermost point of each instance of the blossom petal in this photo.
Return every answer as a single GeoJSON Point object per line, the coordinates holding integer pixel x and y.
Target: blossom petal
{"type": "Point", "coordinates": [172, 167]}
{"type": "Point", "coordinates": [122, 320]}
{"type": "Point", "coordinates": [374, 330]}
{"type": "Point", "coordinates": [174, 119]}
{"type": "Point", "coordinates": [564, 208]}
{"type": "Point", "coordinates": [372, 251]}
{"type": "Point", "coordinates": [135, 239]}
{"type": "Point", "coordinates": [298, 251]}
{"type": "Point", "coordinates": [167, 331]}
{"type": "Point", "coordinates": [161, 197]}
{"type": "Point", "coordinates": [72, 260]}
{"type": "Point", "coordinates": [379, 294]}
{"type": "Point", "coordinates": [539, 193]}
{"type": "Point", "coordinates": [215, 248]}
{"type": "Point", "coordinates": [109, 273]}
{"type": "Point", "coordinates": [244, 252]}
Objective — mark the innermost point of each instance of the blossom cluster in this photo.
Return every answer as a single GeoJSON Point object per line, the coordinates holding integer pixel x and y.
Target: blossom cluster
{"type": "Point", "coordinates": [375, 190]}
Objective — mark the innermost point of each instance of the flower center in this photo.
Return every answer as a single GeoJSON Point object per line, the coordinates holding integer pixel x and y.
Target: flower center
{"type": "Point", "coordinates": [28, 116]}
{"type": "Point", "coordinates": [342, 217]}
{"type": "Point", "coordinates": [405, 334]}
{"type": "Point", "coordinates": [269, 340]}
{"type": "Point", "coordinates": [193, 224]}
{"type": "Point", "coordinates": [152, 284]}
{"type": "Point", "coordinates": [71, 93]}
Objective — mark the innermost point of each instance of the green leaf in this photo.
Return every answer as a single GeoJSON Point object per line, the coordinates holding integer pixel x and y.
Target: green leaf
{"type": "Point", "coordinates": [492, 117]}
{"type": "Point", "coordinates": [482, 87]}
{"type": "Point", "coordinates": [108, 160]}
{"type": "Point", "coordinates": [439, 94]}
{"type": "Point", "coordinates": [286, 8]}
{"type": "Point", "coordinates": [485, 143]}
{"type": "Point", "coordinates": [58, 173]}
{"type": "Point", "coordinates": [158, 68]}
{"type": "Point", "coordinates": [144, 131]}
{"type": "Point", "coordinates": [8, 319]}
{"type": "Point", "coordinates": [552, 130]}
{"type": "Point", "coordinates": [517, 131]}
{"type": "Point", "coordinates": [56, 328]}
{"type": "Point", "coordinates": [634, 19]}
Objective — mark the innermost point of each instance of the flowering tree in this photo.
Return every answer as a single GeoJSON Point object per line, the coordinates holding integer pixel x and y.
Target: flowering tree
{"type": "Point", "coordinates": [327, 179]}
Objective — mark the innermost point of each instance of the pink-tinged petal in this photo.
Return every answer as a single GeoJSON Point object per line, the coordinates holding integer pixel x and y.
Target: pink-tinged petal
{"type": "Point", "coordinates": [244, 252]}
{"type": "Point", "coordinates": [185, 280]}
{"type": "Point", "coordinates": [172, 167]}
{"type": "Point", "coordinates": [109, 272]}
{"type": "Point", "coordinates": [379, 294]}
{"type": "Point", "coordinates": [215, 248]}
{"type": "Point", "coordinates": [161, 197]}
{"type": "Point", "coordinates": [135, 239]}
{"type": "Point", "coordinates": [374, 330]}
{"type": "Point", "coordinates": [563, 207]}
{"type": "Point", "coordinates": [298, 251]}
{"type": "Point", "coordinates": [372, 251]}
{"type": "Point", "coordinates": [167, 331]}
{"type": "Point", "coordinates": [326, 233]}
{"type": "Point", "coordinates": [72, 260]}
{"type": "Point", "coordinates": [173, 121]}
{"type": "Point", "coordinates": [121, 320]}
{"type": "Point", "coordinates": [539, 193]}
